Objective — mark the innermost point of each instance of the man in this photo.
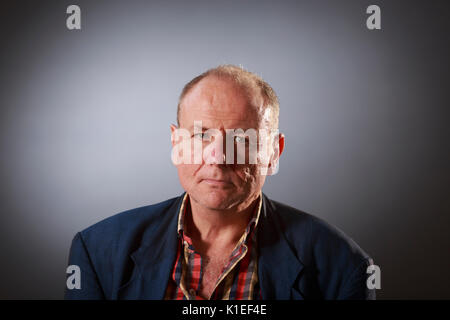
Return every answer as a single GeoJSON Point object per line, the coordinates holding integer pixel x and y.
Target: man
{"type": "Point", "coordinates": [223, 238]}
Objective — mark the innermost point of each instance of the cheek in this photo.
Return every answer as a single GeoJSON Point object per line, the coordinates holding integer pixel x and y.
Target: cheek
{"type": "Point", "coordinates": [186, 174]}
{"type": "Point", "coordinates": [248, 175]}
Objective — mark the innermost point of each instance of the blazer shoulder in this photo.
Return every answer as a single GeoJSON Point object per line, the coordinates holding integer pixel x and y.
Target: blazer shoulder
{"type": "Point", "coordinates": [317, 237]}
{"type": "Point", "coordinates": [335, 262]}
{"type": "Point", "coordinates": [126, 224]}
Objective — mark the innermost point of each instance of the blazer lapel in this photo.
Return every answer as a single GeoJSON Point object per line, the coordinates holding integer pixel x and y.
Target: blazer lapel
{"type": "Point", "coordinates": [154, 259]}
{"type": "Point", "coordinates": [278, 266]}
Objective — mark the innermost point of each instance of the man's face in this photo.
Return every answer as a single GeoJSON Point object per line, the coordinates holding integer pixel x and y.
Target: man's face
{"type": "Point", "coordinates": [220, 104]}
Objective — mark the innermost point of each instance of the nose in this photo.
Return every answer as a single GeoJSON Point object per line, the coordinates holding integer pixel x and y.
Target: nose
{"type": "Point", "coordinates": [213, 152]}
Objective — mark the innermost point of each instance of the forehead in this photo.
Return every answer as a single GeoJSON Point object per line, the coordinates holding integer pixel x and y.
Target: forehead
{"type": "Point", "coordinates": [220, 103]}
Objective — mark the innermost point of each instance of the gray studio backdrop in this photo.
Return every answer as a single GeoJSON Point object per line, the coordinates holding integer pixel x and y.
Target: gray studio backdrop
{"type": "Point", "coordinates": [85, 115]}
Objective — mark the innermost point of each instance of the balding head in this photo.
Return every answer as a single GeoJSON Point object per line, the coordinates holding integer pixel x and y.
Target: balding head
{"type": "Point", "coordinates": [259, 93]}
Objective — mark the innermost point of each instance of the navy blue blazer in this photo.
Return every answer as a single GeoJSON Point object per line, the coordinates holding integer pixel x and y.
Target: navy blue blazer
{"type": "Point", "coordinates": [131, 254]}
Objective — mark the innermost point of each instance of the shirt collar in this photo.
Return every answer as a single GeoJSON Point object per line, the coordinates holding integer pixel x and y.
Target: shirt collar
{"type": "Point", "coordinates": [250, 226]}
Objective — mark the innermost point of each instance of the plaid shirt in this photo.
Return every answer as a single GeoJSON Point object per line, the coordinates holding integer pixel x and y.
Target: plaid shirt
{"type": "Point", "coordinates": [239, 277]}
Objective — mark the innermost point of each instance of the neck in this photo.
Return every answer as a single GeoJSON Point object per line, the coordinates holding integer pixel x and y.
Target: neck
{"type": "Point", "coordinates": [218, 228]}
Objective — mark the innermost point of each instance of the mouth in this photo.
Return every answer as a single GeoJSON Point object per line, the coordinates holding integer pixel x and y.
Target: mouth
{"type": "Point", "coordinates": [217, 182]}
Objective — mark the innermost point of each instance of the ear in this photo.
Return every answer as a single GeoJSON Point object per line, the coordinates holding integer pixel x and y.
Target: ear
{"type": "Point", "coordinates": [172, 133]}
{"type": "Point", "coordinates": [279, 143]}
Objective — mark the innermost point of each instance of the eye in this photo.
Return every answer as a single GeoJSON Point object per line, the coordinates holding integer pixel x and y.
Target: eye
{"type": "Point", "coordinates": [202, 136]}
{"type": "Point", "coordinates": [198, 135]}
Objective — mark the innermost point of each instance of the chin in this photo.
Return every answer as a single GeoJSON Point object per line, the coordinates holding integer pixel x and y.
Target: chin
{"type": "Point", "coordinates": [216, 199]}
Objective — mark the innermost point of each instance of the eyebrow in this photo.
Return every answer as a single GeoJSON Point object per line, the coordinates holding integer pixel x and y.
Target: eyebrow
{"type": "Point", "coordinates": [203, 128]}
{"type": "Point", "coordinates": [190, 128]}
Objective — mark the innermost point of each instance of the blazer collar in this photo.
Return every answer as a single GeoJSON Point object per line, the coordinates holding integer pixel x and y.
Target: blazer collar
{"type": "Point", "coordinates": [278, 266]}
{"type": "Point", "coordinates": [154, 258]}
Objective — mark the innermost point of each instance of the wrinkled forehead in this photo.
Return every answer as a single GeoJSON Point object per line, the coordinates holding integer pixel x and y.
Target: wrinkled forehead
{"type": "Point", "coordinates": [221, 103]}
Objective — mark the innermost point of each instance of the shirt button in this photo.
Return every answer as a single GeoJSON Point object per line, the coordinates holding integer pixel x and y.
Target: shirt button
{"type": "Point", "coordinates": [192, 292]}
